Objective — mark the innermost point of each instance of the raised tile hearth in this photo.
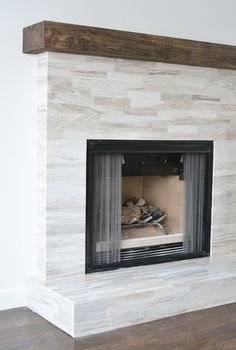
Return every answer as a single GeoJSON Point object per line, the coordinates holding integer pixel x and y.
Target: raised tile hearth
{"type": "Point", "coordinates": [86, 97]}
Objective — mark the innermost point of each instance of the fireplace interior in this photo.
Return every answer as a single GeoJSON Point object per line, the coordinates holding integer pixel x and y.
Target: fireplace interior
{"type": "Point", "coordinates": [152, 199]}
{"type": "Point", "coordinates": [148, 202]}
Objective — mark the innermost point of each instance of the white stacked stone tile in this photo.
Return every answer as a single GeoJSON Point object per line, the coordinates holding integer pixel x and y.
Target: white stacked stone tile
{"type": "Point", "coordinates": [82, 97]}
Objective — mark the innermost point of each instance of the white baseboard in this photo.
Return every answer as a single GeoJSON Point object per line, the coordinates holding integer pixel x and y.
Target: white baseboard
{"type": "Point", "coordinates": [11, 298]}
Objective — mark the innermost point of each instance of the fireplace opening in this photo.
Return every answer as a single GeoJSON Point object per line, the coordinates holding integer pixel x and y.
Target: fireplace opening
{"type": "Point", "coordinates": [147, 202]}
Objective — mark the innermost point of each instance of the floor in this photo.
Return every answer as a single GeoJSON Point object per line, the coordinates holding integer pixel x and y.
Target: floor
{"type": "Point", "coordinates": [215, 329]}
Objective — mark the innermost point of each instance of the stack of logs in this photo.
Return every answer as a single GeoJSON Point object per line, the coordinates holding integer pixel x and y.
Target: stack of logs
{"type": "Point", "coordinates": [136, 211]}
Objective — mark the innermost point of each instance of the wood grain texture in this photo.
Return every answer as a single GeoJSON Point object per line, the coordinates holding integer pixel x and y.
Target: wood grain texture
{"type": "Point", "coordinates": [84, 40]}
{"type": "Point", "coordinates": [211, 329]}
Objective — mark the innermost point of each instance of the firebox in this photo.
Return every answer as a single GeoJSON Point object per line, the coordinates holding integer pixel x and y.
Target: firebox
{"type": "Point", "coordinates": [147, 202]}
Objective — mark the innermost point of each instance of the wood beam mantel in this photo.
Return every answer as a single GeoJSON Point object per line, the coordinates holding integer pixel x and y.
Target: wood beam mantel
{"type": "Point", "coordinates": [84, 40]}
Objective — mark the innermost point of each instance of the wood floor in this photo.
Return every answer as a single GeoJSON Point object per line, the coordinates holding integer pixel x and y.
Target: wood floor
{"type": "Point", "coordinates": [215, 329]}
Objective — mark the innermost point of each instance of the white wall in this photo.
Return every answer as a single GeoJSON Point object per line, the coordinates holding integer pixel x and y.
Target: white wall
{"type": "Point", "coordinates": [208, 20]}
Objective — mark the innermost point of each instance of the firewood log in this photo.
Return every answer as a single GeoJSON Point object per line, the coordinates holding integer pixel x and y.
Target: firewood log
{"type": "Point", "coordinates": [129, 213]}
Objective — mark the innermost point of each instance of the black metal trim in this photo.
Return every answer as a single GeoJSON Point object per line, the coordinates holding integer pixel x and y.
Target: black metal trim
{"type": "Point", "coordinates": [208, 199]}
{"type": "Point", "coordinates": [88, 241]}
{"type": "Point", "coordinates": [147, 146]}
{"type": "Point", "coordinates": [149, 261]}
{"type": "Point", "coordinates": [135, 146]}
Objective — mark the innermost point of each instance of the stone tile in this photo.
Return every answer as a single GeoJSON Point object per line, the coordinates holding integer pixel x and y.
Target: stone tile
{"type": "Point", "coordinates": [82, 98]}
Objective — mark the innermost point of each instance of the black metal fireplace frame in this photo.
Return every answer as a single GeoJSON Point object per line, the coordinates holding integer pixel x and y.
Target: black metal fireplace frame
{"type": "Point", "coordinates": [147, 146]}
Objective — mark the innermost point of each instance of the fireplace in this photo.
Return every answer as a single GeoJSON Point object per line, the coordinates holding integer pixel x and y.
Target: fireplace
{"type": "Point", "coordinates": [147, 202]}
{"type": "Point", "coordinates": [146, 106]}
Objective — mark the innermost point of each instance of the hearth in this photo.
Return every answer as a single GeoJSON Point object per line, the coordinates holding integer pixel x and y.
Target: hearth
{"type": "Point", "coordinates": [147, 202]}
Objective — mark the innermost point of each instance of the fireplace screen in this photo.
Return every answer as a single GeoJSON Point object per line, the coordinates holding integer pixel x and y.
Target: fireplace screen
{"type": "Point", "coordinates": [147, 202]}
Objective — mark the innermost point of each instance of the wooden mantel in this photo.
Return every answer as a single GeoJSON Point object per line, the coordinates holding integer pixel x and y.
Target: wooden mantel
{"type": "Point", "coordinates": [84, 40]}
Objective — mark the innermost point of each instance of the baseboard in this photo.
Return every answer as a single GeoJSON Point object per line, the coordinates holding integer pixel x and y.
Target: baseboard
{"type": "Point", "coordinates": [11, 298]}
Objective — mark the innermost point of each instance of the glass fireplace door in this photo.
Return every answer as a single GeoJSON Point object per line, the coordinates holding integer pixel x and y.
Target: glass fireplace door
{"type": "Point", "coordinates": [147, 202]}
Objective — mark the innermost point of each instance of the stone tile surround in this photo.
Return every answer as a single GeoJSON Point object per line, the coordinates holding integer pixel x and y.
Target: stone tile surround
{"type": "Point", "coordinates": [85, 97]}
